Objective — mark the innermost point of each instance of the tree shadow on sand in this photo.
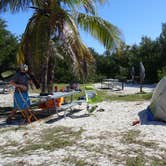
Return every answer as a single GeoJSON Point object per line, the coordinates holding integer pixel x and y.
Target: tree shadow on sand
{"type": "Point", "coordinates": [143, 116]}
{"type": "Point", "coordinates": [69, 114]}
{"type": "Point", "coordinates": [45, 115]}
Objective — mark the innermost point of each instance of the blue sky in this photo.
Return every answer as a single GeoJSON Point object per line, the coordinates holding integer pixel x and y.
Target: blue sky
{"type": "Point", "coordinates": [135, 18]}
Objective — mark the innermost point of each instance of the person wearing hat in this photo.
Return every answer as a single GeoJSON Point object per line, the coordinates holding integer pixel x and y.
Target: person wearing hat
{"type": "Point", "coordinates": [20, 81]}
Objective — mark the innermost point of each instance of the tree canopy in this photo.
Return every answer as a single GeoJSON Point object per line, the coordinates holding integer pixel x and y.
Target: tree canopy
{"type": "Point", "coordinates": [8, 47]}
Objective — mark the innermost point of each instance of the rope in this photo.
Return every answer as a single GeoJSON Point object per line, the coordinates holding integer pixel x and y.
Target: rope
{"type": "Point", "coordinates": [19, 108]}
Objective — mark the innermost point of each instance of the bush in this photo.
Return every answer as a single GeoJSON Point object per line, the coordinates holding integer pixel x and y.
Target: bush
{"type": "Point", "coordinates": [161, 73]}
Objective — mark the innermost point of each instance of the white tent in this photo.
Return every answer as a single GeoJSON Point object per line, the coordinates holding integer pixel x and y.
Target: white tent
{"type": "Point", "coordinates": [158, 101]}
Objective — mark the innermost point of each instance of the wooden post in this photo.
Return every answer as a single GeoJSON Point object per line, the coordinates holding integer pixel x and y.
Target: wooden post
{"type": "Point", "coordinates": [141, 86]}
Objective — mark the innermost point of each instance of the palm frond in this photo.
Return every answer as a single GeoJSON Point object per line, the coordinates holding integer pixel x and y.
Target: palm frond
{"type": "Point", "coordinates": [74, 47]}
{"type": "Point", "coordinates": [101, 1]}
{"type": "Point", "coordinates": [20, 56]}
{"type": "Point", "coordinates": [105, 32]}
{"type": "Point", "coordinates": [76, 5]}
{"type": "Point", "coordinates": [14, 5]}
{"type": "Point", "coordinates": [35, 42]}
{"type": "Point", "coordinates": [54, 51]}
{"type": "Point", "coordinates": [19, 5]}
{"type": "Point", "coordinates": [89, 6]}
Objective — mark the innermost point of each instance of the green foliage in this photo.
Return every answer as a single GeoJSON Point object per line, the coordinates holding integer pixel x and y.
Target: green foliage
{"type": "Point", "coordinates": [116, 66]}
{"type": "Point", "coordinates": [162, 72]}
{"type": "Point", "coordinates": [119, 64]}
{"type": "Point", "coordinates": [150, 52]}
{"type": "Point", "coordinates": [106, 66]}
{"type": "Point", "coordinates": [63, 71]}
{"type": "Point", "coordinates": [8, 47]}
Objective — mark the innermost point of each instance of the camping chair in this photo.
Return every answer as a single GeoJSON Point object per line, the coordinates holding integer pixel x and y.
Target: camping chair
{"type": "Point", "coordinates": [90, 94]}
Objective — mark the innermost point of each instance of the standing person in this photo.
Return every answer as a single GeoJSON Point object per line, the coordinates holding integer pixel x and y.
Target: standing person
{"type": "Point", "coordinates": [21, 99]}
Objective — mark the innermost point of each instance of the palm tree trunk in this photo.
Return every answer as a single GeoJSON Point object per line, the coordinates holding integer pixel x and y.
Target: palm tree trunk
{"type": "Point", "coordinates": [50, 76]}
{"type": "Point", "coordinates": [44, 72]}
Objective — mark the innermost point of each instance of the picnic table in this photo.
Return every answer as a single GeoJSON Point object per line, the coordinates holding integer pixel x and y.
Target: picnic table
{"type": "Point", "coordinates": [4, 87]}
{"type": "Point", "coordinates": [113, 84]}
{"type": "Point", "coordinates": [57, 95]}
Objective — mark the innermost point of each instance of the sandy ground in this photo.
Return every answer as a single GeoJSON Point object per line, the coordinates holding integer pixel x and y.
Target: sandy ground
{"type": "Point", "coordinates": [102, 138]}
{"type": "Point", "coordinates": [128, 88]}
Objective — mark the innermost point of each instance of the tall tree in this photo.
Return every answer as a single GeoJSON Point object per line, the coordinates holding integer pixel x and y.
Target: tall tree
{"type": "Point", "coordinates": [149, 54]}
{"type": "Point", "coordinates": [8, 47]}
{"type": "Point", "coordinates": [54, 27]}
{"type": "Point", "coordinates": [162, 45]}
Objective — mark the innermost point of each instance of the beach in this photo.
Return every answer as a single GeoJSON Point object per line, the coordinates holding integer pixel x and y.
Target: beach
{"type": "Point", "coordinates": [104, 137]}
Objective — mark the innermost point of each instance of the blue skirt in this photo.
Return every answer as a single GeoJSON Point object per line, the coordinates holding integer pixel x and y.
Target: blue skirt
{"type": "Point", "coordinates": [21, 100]}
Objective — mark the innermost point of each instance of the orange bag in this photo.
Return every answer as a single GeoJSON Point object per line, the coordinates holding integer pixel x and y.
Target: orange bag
{"type": "Point", "coordinates": [59, 101]}
{"type": "Point", "coordinates": [51, 103]}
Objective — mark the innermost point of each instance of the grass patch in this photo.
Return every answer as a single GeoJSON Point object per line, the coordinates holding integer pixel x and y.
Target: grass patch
{"type": "Point", "coordinates": [3, 130]}
{"type": "Point", "coordinates": [135, 161]}
{"type": "Point", "coordinates": [152, 145]}
{"type": "Point", "coordinates": [131, 138]}
{"type": "Point", "coordinates": [12, 143]}
{"type": "Point", "coordinates": [132, 97]}
{"type": "Point", "coordinates": [90, 147]}
{"type": "Point", "coordinates": [51, 139]}
{"type": "Point", "coordinates": [9, 145]}
{"type": "Point", "coordinates": [104, 96]}
{"type": "Point", "coordinates": [158, 162]}
{"type": "Point", "coordinates": [141, 160]}
{"type": "Point", "coordinates": [89, 87]}
{"type": "Point", "coordinates": [74, 160]}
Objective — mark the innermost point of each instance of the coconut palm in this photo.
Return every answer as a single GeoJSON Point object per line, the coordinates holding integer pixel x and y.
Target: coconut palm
{"type": "Point", "coordinates": [52, 32]}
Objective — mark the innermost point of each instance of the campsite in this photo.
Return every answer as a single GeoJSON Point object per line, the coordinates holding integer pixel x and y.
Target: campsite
{"type": "Point", "coordinates": [82, 83]}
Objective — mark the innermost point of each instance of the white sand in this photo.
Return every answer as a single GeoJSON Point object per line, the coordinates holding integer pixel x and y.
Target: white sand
{"type": "Point", "coordinates": [129, 88]}
{"type": "Point", "coordinates": [108, 137]}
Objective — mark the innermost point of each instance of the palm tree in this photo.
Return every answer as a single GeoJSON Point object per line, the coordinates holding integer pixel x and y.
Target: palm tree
{"type": "Point", "coordinates": [52, 31]}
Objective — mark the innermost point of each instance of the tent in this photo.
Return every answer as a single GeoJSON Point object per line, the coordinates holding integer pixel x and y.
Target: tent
{"type": "Point", "coordinates": [158, 102]}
